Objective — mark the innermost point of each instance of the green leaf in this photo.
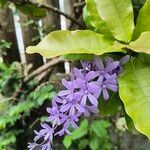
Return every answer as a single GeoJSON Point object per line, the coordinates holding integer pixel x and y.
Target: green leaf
{"type": "Point", "coordinates": [87, 18]}
{"type": "Point", "coordinates": [67, 141]}
{"type": "Point", "coordinates": [77, 42]}
{"type": "Point", "coordinates": [94, 143]}
{"type": "Point", "coordinates": [32, 10]}
{"type": "Point", "coordinates": [143, 20]}
{"type": "Point", "coordinates": [134, 90]}
{"type": "Point", "coordinates": [99, 127]}
{"type": "Point", "coordinates": [83, 144]}
{"type": "Point", "coordinates": [142, 44]}
{"type": "Point", "coordinates": [81, 131]}
{"type": "Point", "coordinates": [94, 19]}
{"type": "Point", "coordinates": [118, 15]}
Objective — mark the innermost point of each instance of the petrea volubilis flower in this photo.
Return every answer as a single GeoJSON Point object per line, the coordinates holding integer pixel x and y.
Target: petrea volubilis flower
{"type": "Point", "coordinates": [79, 98]}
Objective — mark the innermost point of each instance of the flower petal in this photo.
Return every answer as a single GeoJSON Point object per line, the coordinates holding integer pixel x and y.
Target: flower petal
{"type": "Point", "coordinates": [99, 63]}
{"type": "Point", "coordinates": [112, 87]}
{"type": "Point", "coordinates": [112, 66]}
{"type": "Point", "coordinates": [79, 108]}
{"type": "Point", "coordinates": [92, 99]}
{"type": "Point", "coordinates": [83, 100]}
{"type": "Point", "coordinates": [91, 75]}
{"type": "Point", "coordinates": [65, 107]}
{"type": "Point", "coordinates": [124, 59]}
{"type": "Point", "coordinates": [64, 92]}
{"type": "Point", "coordinates": [105, 94]}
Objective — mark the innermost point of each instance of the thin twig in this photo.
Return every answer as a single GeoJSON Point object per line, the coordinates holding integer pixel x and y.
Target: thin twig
{"type": "Point", "coordinates": [43, 68]}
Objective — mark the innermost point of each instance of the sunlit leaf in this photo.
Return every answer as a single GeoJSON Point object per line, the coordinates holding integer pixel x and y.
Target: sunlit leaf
{"type": "Point", "coordinates": [118, 15]}
{"type": "Point", "coordinates": [142, 44]}
{"type": "Point", "coordinates": [134, 89]}
{"type": "Point", "coordinates": [95, 20]}
{"type": "Point", "coordinates": [77, 42]}
{"type": "Point", "coordinates": [143, 20]}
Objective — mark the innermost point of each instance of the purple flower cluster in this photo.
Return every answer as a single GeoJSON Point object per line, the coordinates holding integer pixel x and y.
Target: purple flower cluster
{"type": "Point", "coordinates": [80, 97]}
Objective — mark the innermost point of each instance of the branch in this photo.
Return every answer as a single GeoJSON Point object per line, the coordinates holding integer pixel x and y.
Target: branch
{"type": "Point", "coordinates": [51, 8]}
{"type": "Point", "coordinates": [43, 68]}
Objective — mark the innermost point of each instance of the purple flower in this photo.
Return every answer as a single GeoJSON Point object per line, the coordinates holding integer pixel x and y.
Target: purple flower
{"type": "Point", "coordinates": [58, 101]}
{"type": "Point", "coordinates": [87, 91]}
{"type": "Point", "coordinates": [122, 61]}
{"type": "Point", "coordinates": [47, 131]}
{"type": "Point", "coordinates": [85, 76]}
{"type": "Point", "coordinates": [46, 146]}
{"type": "Point", "coordinates": [38, 135]}
{"type": "Point", "coordinates": [80, 97]}
{"type": "Point", "coordinates": [70, 85]}
{"type": "Point", "coordinates": [54, 115]}
{"type": "Point", "coordinates": [32, 146]}
{"type": "Point", "coordinates": [68, 120]}
{"type": "Point", "coordinates": [104, 85]}
{"type": "Point", "coordinates": [105, 71]}
{"type": "Point", "coordinates": [87, 66]}
{"type": "Point", "coordinates": [73, 104]}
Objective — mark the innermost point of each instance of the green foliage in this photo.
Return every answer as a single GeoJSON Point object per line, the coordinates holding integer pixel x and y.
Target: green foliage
{"type": "Point", "coordinates": [94, 19]}
{"type": "Point", "coordinates": [143, 21]}
{"type": "Point", "coordinates": [42, 94]}
{"type": "Point", "coordinates": [118, 16]}
{"type": "Point", "coordinates": [68, 42]}
{"type": "Point", "coordinates": [142, 44]}
{"type": "Point", "coordinates": [81, 131]}
{"type": "Point", "coordinates": [32, 10]}
{"type": "Point", "coordinates": [4, 44]}
{"type": "Point", "coordinates": [91, 135]}
{"type": "Point", "coordinates": [8, 138]}
{"type": "Point", "coordinates": [14, 110]}
{"type": "Point", "coordinates": [8, 76]}
{"type": "Point", "coordinates": [134, 91]}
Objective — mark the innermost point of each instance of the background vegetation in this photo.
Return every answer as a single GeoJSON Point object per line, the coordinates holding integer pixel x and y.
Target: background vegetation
{"type": "Point", "coordinates": [28, 82]}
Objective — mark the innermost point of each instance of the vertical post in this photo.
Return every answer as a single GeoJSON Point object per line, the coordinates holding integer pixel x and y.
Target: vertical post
{"type": "Point", "coordinates": [8, 29]}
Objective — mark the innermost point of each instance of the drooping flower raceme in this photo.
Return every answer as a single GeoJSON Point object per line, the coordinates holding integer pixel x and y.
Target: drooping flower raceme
{"type": "Point", "coordinates": [79, 98]}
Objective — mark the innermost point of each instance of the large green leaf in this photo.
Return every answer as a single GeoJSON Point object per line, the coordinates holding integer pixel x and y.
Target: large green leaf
{"type": "Point", "coordinates": [142, 44]}
{"type": "Point", "coordinates": [95, 20]}
{"type": "Point", "coordinates": [134, 90]}
{"type": "Point", "coordinates": [118, 15]}
{"type": "Point", "coordinates": [143, 20]}
{"type": "Point", "coordinates": [76, 42]}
